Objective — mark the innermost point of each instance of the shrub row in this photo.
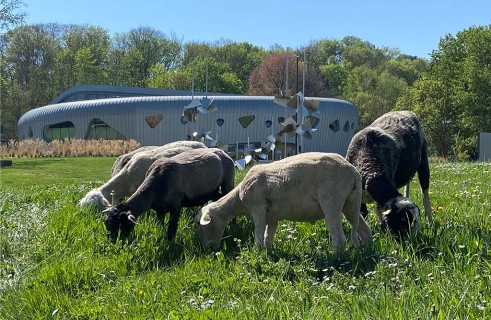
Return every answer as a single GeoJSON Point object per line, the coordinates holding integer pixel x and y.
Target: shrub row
{"type": "Point", "coordinates": [66, 148]}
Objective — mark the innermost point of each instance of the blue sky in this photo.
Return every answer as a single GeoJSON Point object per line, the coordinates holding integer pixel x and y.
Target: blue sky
{"type": "Point", "coordinates": [414, 27]}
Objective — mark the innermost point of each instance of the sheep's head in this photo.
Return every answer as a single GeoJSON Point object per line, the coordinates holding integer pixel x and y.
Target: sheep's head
{"type": "Point", "coordinates": [119, 218]}
{"type": "Point", "coordinates": [401, 216]}
{"type": "Point", "coordinates": [209, 231]}
{"type": "Point", "coordinates": [94, 198]}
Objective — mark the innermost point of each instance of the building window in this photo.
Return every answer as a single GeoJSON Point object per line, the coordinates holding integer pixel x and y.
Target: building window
{"type": "Point", "coordinates": [246, 121]}
{"type": "Point", "coordinates": [61, 130]}
{"type": "Point", "coordinates": [154, 120]}
{"type": "Point", "coordinates": [98, 129]}
{"type": "Point", "coordinates": [29, 132]}
{"type": "Point", "coordinates": [346, 126]}
{"type": "Point", "coordinates": [334, 126]}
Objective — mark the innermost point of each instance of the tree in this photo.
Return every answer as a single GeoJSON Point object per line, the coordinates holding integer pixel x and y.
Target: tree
{"type": "Point", "coordinates": [269, 78]}
{"type": "Point", "coordinates": [28, 57]}
{"type": "Point", "coordinates": [431, 100]}
{"type": "Point", "coordinates": [457, 86]}
{"type": "Point", "coordinates": [10, 14]}
{"type": "Point", "coordinates": [84, 57]}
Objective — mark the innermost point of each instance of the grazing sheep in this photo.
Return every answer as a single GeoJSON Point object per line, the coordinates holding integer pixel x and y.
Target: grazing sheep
{"type": "Point", "coordinates": [189, 179]}
{"type": "Point", "coordinates": [122, 160]}
{"type": "Point", "coordinates": [132, 175]}
{"type": "Point", "coordinates": [304, 187]}
{"type": "Point", "coordinates": [388, 153]}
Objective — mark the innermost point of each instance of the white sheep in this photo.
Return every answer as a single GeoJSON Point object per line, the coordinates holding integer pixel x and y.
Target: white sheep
{"type": "Point", "coordinates": [388, 153]}
{"type": "Point", "coordinates": [305, 187]}
{"type": "Point", "coordinates": [122, 160]}
{"type": "Point", "coordinates": [126, 181]}
{"type": "Point", "coordinates": [188, 179]}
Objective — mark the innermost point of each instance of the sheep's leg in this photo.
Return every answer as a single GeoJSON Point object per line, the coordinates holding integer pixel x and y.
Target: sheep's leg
{"type": "Point", "coordinates": [424, 181]}
{"type": "Point", "coordinates": [259, 226]}
{"type": "Point", "coordinates": [427, 205]}
{"type": "Point", "coordinates": [269, 234]}
{"type": "Point", "coordinates": [358, 224]}
{"type": "Point", "coordinates": [332, 215]}
{"type": "Point", "coordinates": [406, 190]}
{"type": "Point", "coordinates": [173, 221]}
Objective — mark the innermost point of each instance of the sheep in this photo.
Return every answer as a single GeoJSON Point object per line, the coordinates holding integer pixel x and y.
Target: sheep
{"type": "Point", "coordinates": [388, 153]}
{"type": "Point", "coordinates": [305, 187]}
{"type": "Point", "coordinates": [189, 179]}
{"type": "Point", "coordinates": [125, 182]}
{"type": "Point", "coordinates": [122, 160]}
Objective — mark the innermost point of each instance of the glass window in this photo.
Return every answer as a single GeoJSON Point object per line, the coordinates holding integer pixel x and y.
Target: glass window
{"type": "Point", "coordinates": [346, 126]}
{"type": "Point", "coordinates": [59, 131]}
{"type": "Point", "coordinates": [334, 126]}
{"type": "Point", "coordinates": [98, 129]}
{"type": "Point", "coordinates": [154, 120]}
{"type": "Point", "coordinates": [246, 121]}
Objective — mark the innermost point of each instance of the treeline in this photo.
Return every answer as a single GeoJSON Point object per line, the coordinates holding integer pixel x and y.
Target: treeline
{"type": "Point", "coordinates": [450, 91]}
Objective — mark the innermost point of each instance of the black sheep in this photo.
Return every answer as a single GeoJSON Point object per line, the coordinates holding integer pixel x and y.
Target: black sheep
{"type": "Point", "coordinates": [189, 179]}
{"type": "Point", "coordinates": [388, 153]}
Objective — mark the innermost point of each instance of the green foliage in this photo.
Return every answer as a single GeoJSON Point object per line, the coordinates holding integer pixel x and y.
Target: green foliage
{"type": "Point", "coordinates": [56, 262]}
{"type": "Point", "coordinates": [456, 92]}
{"type": "Point", "coordinates": [450, 92]}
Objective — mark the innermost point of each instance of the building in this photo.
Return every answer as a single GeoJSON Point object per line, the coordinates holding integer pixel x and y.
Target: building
{"type": "Point", "coordinates": [154, 117]}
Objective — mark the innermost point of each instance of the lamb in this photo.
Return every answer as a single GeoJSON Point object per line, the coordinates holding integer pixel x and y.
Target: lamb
{"type": "Point", "coordinates": [305, 187]}
{"type": "Point", "coordinates": [388, 153]}
{"type": "Point", "coordinates": [125, 182]}
{"type": "Point", "coordinates": [189, 179]}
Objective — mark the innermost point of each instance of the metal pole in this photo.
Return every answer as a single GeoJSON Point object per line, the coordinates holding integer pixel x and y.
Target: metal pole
{"type": "Point", "coordinates": [296, 112]}
{"type": "Point", "coordinates": [286, 94]}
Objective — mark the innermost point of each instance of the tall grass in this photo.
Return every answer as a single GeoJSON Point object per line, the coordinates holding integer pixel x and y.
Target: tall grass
{"type": "Point", "coordinates": [66, 148]}
{"type": "Point", "coordinates": [56, 262]}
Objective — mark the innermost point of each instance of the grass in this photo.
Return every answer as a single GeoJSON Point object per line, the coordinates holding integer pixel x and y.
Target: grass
{"type": "Point", "coordinates": [56, 262]}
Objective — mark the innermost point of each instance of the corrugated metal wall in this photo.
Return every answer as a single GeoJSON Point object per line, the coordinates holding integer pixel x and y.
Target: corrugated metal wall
{"type": "Point", "coordinates": [127, 115]}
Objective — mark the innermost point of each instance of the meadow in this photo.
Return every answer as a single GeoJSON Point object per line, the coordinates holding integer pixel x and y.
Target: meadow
{"type": "Point", "coordinates": [57, 263]}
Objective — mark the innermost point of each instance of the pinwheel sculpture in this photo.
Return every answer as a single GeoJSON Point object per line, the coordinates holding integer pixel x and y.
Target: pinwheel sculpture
{"type": "Point", "coordinates": [190, 112]}
{"type": "Point", "coordinates": [304, 108]}
{"type": "Point", "coordinates": [196, 107]}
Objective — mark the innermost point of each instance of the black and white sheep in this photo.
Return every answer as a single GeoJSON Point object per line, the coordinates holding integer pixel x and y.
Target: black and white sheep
{"type": "Point", "coordinates": [189, 179]}
{"type": "Point", "coordinates": [128, 179]}
{"type": "Point", "coordinates": [304, 187]}
{"type": "Point", "coordinates": [388, 153]}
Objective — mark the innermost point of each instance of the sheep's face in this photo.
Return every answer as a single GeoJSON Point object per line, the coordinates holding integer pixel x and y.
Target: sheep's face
{"type": "Point", "coordinates": [401, 216]}
{"type": "Point", "coordinates": [209, 231]}
{"type": "Point", "coordinates": [94, 198]}
{"type": "Point", "coordinates": [117, 219]}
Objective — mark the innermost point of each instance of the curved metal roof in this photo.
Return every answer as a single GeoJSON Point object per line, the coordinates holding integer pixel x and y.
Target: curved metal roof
{"type": "Point", "coordinates": [131, 104]}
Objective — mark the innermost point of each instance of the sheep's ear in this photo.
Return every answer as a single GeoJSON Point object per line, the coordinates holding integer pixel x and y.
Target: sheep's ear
{"type": "Point", "coordinates": [205, 219]}
{"type": "Point", "coordinates": [132, 218]}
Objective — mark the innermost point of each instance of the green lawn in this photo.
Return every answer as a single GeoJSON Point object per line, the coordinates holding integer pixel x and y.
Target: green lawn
{"type": "Point", "coordinates": [56, 262]}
